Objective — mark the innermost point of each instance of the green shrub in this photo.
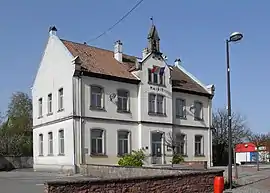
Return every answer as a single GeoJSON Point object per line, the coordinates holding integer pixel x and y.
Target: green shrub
{"type": "Point", "coordinates": [134, 159]}
{"type": "Point", "coordinates": [177, 159]}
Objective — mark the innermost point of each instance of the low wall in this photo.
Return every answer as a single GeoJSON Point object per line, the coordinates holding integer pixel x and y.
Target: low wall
{"type": "Point", "coordinates": [14, 162]}
{"type": "Point", "coordinates": [115, 171]}
{"type": "Point", "coordinates": [188, 182]}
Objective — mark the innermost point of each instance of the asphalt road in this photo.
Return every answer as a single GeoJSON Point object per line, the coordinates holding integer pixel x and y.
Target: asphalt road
{"type": "Point", "coordinates": [28, 181]}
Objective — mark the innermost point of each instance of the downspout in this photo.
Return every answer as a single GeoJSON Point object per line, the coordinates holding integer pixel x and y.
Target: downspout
{"type": "Point", "coordinates": [80, 116]}
{"type": "Point", "coordinates": [210, 132]}
{"type": "Point", "coordinates": [74, 124]}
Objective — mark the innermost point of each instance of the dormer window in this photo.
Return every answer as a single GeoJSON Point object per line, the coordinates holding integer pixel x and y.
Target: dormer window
{"type": "Point", "coordinates": [156, 75]}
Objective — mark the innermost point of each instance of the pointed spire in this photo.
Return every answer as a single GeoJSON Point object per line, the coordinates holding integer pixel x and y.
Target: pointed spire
{"type": "Point", "coordinates": [153, 39]}
{"type": "Point", "coordinates": [153, 34]}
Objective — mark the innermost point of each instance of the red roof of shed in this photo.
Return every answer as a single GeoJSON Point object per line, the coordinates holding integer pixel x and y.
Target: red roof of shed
{"type": "Point", "coordinates": [245, 147]}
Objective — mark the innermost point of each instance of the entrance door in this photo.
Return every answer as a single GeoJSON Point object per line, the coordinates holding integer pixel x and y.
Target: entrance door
{"type": "Point", "coordinates": [156, 148]}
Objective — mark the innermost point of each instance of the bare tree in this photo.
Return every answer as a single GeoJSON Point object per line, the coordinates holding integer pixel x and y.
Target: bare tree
{"type": "Point", "coordinates": [175, 142]}
{"type": "Point", "coordinates": [259, 140]}
{"type": "Point", "coordinates": [1, 119]}
{"type": "Point", "coordinates": [240, 132]}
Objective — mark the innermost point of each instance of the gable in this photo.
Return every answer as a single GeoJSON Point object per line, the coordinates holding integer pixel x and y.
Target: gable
{"type": "Point", "coordinates": [56, 58]}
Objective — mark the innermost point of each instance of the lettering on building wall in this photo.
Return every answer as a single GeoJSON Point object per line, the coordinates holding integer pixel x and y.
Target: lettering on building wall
{"type": "Point", "coordinates": [156, 89]}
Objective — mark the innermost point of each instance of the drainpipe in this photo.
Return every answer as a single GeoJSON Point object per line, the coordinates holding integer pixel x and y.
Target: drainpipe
{"type": "Point", "coordinates": [80, 115]}
{"type": "Point", "coordinates": [209, 132]}
{"type": "Point", "coordinates": [74, 125]}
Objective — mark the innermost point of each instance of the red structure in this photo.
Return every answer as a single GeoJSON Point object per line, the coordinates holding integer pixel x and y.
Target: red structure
{"type": "Point", "coordinates": [245, 147]}
{"type": "Point", "coordinates": [218, 184]}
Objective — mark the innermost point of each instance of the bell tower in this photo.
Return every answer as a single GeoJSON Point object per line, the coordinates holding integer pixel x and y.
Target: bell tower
{"type": "Point", "coordinates": [153, 40]}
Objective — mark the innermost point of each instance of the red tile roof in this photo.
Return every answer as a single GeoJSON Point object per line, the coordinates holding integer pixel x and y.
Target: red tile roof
{"type": "Point", "coordinates": [102, 61]}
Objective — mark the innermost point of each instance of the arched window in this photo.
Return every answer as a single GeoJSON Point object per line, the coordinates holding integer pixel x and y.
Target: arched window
{"type": "Point", "coordinates": [97, 141]}
{"type": "Point", "coordinates": [97, 97]}
{"type": "Point", "coordinates": [123, 142]}
{"type": "Point", "coordinates": [123, 100]}
{"type": "Point", "coordinates": [181, 144]}
{"type": "Point", "coordinates": [40, 144]}
{"type": "Point", "coordinates": [61, 142]}
{"type": "Point", "coordinates": [50, 143]}
{"type": "Point", "coordinates": [199, 145]}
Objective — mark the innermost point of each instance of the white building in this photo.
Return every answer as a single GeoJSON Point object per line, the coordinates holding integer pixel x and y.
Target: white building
{"type": "Point", "coordinates": [92, 105]}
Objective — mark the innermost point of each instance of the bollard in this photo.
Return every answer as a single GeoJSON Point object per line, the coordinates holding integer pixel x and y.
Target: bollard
{"type": "Point", "coordinates": [219, 184]}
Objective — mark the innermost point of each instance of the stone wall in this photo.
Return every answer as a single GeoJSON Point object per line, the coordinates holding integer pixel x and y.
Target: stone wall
{"type": "Point", "coordinates": [111, 171]}
{"type": "Point", "coordinates": [187, 182]}
{"type": "Point", "coordinates": [14, 162]}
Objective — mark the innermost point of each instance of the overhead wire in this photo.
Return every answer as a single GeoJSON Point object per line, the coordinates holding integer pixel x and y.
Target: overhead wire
{"type": "Point", "coordinates": [120, 20]}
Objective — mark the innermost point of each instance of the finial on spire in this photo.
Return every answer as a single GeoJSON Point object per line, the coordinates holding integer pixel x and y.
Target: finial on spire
{"type": "Point", "coordinates": [152, 19]}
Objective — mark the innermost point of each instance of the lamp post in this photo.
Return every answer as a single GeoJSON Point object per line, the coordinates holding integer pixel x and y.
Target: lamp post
{"type": "Point", "coordinates": [234, 37]}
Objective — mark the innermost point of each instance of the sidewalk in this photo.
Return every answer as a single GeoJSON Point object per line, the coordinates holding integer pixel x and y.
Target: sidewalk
{"type": "Point", "coordinates": [252, 181]}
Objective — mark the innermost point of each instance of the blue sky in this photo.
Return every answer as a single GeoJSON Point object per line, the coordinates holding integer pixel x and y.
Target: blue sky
{"type": "Point", "coordinates": [193, 30]}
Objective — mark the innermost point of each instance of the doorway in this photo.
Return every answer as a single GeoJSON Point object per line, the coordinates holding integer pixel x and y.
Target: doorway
{"type": "Point", "coordinates": [157, 147]}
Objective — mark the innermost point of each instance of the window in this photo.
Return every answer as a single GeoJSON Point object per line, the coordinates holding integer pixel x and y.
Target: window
{"type": "Point", "coordinates": [198, 114]}
{"type": "Point", "coordinates": [161, 77]}
{"type": "Point", "coordinates": [155, 80]}
{"type": "Point", "coordinates": [181, 144]}
{"type": "Point", "coordinates": [180, 108]}
{"type": "Point", "coordinates": [40, 144]}
{"type": "Point", "coordinates": [61, 100]}
{"type": "Point", "coordinates": [160, 104]}
{"type": "Point", "coordinates": [123, 99]}
{"type": "Point", "coordinates": [123, 143]}
{"type": "Point", "coordinates": [97, 141]}
{"type": "Point", "coordinates": [61, 142]}
{"type": "Point", "coordinates": [96, 97]}
{"type": "Point", "coordinates": [50, 143]}
{"type": "Point", "coordinates": [152, 103]}
{"type": "Point", "coordinates": [156, 104]}
{"type": "Point", "coordinates": [149, 75]}
{"type": "Point", "coordinates": [198, 145]}
{"type": "Point", "coordinates": [40, 107]}
{"type": "Point", "coordinates": [156, 75]}
{"type": "Point", "coordinates": [49, 103]}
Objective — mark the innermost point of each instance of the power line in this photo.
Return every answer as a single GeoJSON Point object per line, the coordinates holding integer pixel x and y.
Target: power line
{"type": "Point", "coordinates": [110, 28]}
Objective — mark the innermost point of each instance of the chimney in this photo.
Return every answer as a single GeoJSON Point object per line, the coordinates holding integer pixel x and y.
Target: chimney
{"type": "Point", "coordinates": [52, 30]}
{"type": "Point", "coordinates": [118, 51]}
{"type": "Point", "coordinates": [177, 62]}
{"type": "Point", "coordinates": [144, 53]}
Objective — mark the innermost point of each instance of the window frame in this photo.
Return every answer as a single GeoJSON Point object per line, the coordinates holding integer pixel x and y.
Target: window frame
{"type": "Point", "coordinates": [40, 107]}
{"type": "Point", "coordinates": [183, 102]}
{"type": "Point", "coordinates": [155, 110]}
{"type": "Point", "coordinates": [160, 78]}
{"type": "Point", "coordinates": [41, 144]}
{"type": "Point", "coordinates": [201, 153]}
{"type": "Point", "coordinates": [184, 143]}
{"type": "Point", "coordinates": [201, 112]}
{"type": "Point", "coordinates": [49, 104]}
{"type": "Point", "coordinates": [95, 106]}
{"type": "Point", "coordinates": [162, 104]}
{"type": "Point", "coordinates": [103, 142]}
{"type": "Point", "coordinates": [128, 139]}
{"type": "Point", "coordinates": [150, 103]}
{"type": "Point", "coordinates": [127, 98]}
{"type": "Point", "coordinates": [61, 147]}
{"type": "Point", "coordinates": [60, 99]}
{"type": "Point", "coordinates": [50, 143]}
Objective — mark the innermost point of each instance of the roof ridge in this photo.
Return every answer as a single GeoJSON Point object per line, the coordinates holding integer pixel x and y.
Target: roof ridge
{"type": "Point", "coordinates": [96, 47]}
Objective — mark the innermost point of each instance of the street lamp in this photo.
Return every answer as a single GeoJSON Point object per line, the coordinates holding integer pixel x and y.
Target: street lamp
{"type": "Point", "coordinates": [234, 37]}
